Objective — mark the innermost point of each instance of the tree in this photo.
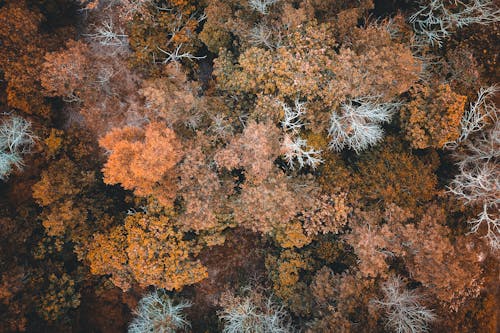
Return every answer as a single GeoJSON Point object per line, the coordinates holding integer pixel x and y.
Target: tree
{"type": "Point", "coordinates": [67, 72]}
{"type": "Point", "coordinates": [16, 140]}
{"type": "Point", "coordinates": [477, 181]}
{"type": "Point", "coordinates": [269, 205]}
{"type": "Point", "coordinates": [450, 271]}
{"type": "Point", "coordinates": [58, 298]}
{"type": "Point", "coordinates": [342, 302]}
{"type": "Point", "coordinates": [254, 150]}
{"type": "Point", "coordinates": [173, 98]}
{"type": "Point", "coordinates": [261, 5]}
{"type": "Point", "coordinates": [357, 125]}
{"type": "Point", "coordinates": [143, 160]}
{"type": "Point", "coordinates": [156, 312]}
{"type": "Point", "coordinates": [432, 118]}
{"type": "Point", "coordinates": [307, 64]}
{"type": "Point", "coordinates": [480, 112]}
{"type": "Point", "coordinates": [21, 57]}
{"type": "Point", "coordinates": [253, 313]}
{"type": "Point", "coordinates": [404, 312]}
{"type": "Point", "coordinates": [294, 148]}
{"type": "Point", "coordinates": [149, 250]}
{"type": "Point", "coordinates": [164, 33]}
{"type": "Point", "coordinates": [388, 173]}
{"type": "Point", "coordinates": [435, 21]}
{"type": "Point", "coordinates": [285, 271]}
{"type": "Point", "coordinates": [202, 193]}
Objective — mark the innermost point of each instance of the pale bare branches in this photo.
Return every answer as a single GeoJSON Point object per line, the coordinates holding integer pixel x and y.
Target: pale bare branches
{"type": "Point", "coordinates": [357, 125]}
{"type": "Point", "coordinates": [295, 148]}
{"type": "Point", "coordinates": [404, 312]}
{"type": "Point", "coordinates": [434, 21]}
{"type": "Point", "coordinates": [107, 34]}
{"type": "Point", "coordinates": [16, 139]}
{"type": "Point", "coordinates": [176, 55]}
{"type": "Point", "coordinates": [262, 6]}
{"type": "Point", "coordinates": [478, 182]}
{"type": "Point", "coordinates": [477, 116]}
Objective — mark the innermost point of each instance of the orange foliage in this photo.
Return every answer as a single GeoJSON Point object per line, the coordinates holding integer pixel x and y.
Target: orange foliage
{"type": "Point", "coordinates": [148, 250]}
{"type": "Point", "coordinates": [59, 297]}
{"type": "Point", "coordinates": [292, 235]}
{"type": "Point", "coordinates": [433, 117]}
{"type": "Point", "coordinates": [61, 180]}
{"type": "Point", "coordinates": [107, 256]}
{"type": "Point", "coordinates": [62, 217]}
{"type": "Point", "coordinates": [284, 271]}
{"type": "Point", "coordinates": [63, 72]}
{"type": "Point", "coordinates": [307, 65]}
{"type": "Point", "coordinates": [172, 98]}
{"type": "Point", "coordinates": [451, 272]}
{"type": "Point", "coordinates": [215, 33]}
{"type": "Point", "coordinates": [388, 173]}
{"type": "Point", "coordinates": [266, 206]}
{"type": "Point", "coordinates": [255, 151]}
{"type": "Point", "coordinates": [142, 160]}
{"type": "Point", "coordinates": [21, 56]}
{"type": "Point", "coordinates": [53, 141]}
{"type": "Point", "coordinates": [327, 214]}
{"type": "Point", "coordinates": [202, 192]}
{"type": "Point", "coordinates": [371, 243]}
{"type": "Point", "coordinates": [153, 29]}
{"type": "Point", "coordinates": [342, 302]}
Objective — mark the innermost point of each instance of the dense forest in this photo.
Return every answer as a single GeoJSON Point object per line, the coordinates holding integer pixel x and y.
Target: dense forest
{"type": "Point", "coordinates": [264, 166]}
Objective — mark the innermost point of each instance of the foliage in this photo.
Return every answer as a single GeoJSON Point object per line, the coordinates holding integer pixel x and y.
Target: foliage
{"type": "Point", "coordinates": [164, 33]}
{"type": "Point", "coordinates": [308, 66]}
{"type": "Point", "coordinates": [21, 57]}
{"type": "Point", "coordinates": [342, 302]}
{"type": "Point", "coordinates": [254, 151]}
{"type": "Point", "coordinates": [388, 173]}
{"type": "Point", "coordinates": [58, 298]}
{"type": "Point", "coordinates": [284, 272]}
{"type": "Point", "coordinates": [148, 249]}
{"type": "Point", "coordinates": [158, 169]}
{"type": "Point", "coordinates": [432, 118]}
{"type": "Point", "coordinates": [142, 160]}
{"type": "Point", "coordinates": [64, 71]}
{"type": "Point", "coordinates": [451, 272]}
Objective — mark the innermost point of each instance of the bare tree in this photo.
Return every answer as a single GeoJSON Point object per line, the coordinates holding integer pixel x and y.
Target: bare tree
{"type": "Point", "coordinates": [404, 313]}
{"type": "Point", "coordinates": [434, 21]}
{"type": "Point", "coordinates": [156, 312]}
{"type": "Point", "coordinates": [480, 112]}
{"type": "Point", "coordinates": [478, 182]}
{"type": "Point", "coordinates": [262, 6]}
{"type": "Point", "coordinates": [107, 34]}
{"type": "Point", "coordinates": [295, 148]}
{"type": "Point", "coordinates": [357, 125]}
{"type": "Point", "coordinates": [177, 55]}
{"type": "Point", "coordinates": [16, 139]}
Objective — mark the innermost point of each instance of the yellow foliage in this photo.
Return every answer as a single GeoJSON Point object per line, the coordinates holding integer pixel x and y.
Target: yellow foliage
{"type": "Point", "coordinates": [149, 250]}
{"type": "Point", "coordinates": [292, 235]}
{"type": "Point", "coordinates": [54, 141]}
{"type": "Point", "coordinates": [433, 117]}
